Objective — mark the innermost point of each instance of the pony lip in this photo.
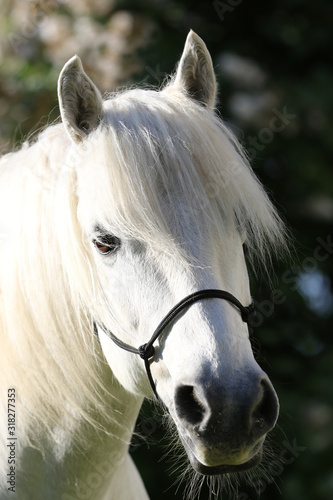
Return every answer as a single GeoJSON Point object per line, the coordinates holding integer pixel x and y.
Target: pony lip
{"type": "Point", "coordinates": [224, 469]}
{"type": "Point", "coordinates": [213, 470]}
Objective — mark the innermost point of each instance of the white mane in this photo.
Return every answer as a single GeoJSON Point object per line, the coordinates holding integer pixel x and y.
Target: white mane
{"type": "Point", "coordinates": [152, 143]}
{"type": "Point", "coordinates": [148, 145]}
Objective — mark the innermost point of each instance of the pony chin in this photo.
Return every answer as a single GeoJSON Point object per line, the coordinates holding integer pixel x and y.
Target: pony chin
{"type": "Point", "coordinates": [212, 464]}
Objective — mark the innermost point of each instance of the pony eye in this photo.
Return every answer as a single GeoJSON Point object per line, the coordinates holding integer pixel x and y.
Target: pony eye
{"type": "Point", "coordinates": [107, 244]}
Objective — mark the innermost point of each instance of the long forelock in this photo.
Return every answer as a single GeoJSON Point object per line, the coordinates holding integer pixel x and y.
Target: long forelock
{"type": "Point", "coordinates": [155, 146]}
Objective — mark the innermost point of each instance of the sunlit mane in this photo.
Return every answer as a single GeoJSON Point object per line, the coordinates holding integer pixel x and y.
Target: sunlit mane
{"type": "Point", "coordinates": [153, 143]}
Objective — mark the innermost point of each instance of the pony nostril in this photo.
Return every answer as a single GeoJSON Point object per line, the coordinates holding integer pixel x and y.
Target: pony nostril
{"type": "Point", "coordinates": [188, 406]}
{"type": "Point", "coordinates": [266, 411]}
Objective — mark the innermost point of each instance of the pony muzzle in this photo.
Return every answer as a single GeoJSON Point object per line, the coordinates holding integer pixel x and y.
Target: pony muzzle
{"type": "Point", "coordinates": [224, 432]}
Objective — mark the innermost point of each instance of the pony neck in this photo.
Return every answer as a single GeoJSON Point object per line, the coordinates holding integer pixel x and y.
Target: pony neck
{"type": "Point", "coordinates": [100, 468]}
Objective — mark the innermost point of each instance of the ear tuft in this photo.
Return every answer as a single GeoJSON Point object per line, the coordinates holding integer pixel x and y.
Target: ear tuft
{"type": "Point", "coordinates": [195, 72]}
{"type": "Point", "coordinates": [80, 101]}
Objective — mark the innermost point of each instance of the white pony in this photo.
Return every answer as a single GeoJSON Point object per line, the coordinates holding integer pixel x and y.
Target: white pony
{"type": "Point", "coordinates": [109, 219]}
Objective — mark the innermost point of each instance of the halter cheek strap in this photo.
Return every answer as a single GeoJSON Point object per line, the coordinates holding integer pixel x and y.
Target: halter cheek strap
{"type": "Point", "coordinates": [147, 351]}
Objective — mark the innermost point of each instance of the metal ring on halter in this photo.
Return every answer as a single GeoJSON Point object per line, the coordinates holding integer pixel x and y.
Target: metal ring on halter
{"type": "Point", "coordinates": [147, 351]}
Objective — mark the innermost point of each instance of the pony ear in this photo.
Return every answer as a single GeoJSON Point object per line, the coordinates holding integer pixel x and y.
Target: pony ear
{"type": "Point", "coordinates": [80, 101]}
{"type": "Point", "coordinates": [195, 73]}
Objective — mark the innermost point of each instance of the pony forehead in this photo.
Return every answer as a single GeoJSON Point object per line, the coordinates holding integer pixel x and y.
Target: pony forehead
{"type": "Point", "coordinates": [166, 125]}
{"type": "Point", "coordinates": [154, 147]}
{"type": "Point", "coordinates": [149, 144]}
{"type": "Point", "coordinates": [159, 112]}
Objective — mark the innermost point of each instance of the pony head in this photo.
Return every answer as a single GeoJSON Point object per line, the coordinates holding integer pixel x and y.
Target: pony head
{"type": "Point", "coordinates": [166, 202]}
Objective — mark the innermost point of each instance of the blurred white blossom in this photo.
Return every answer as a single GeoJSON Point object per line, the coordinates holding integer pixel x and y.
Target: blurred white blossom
{"type": "Point", "coordinates": [38, 37]}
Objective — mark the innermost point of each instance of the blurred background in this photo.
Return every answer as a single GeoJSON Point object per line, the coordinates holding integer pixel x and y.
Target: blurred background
{"type": "Point", "coordinates": [273, 61]}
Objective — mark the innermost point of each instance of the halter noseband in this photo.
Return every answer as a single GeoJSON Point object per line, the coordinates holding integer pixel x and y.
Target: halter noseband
{"type": "Point", "coordinates": [147, 351]}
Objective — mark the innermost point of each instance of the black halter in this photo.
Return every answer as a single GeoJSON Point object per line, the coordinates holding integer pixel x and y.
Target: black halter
{"type": "Point", "coordinates": [147, 351]}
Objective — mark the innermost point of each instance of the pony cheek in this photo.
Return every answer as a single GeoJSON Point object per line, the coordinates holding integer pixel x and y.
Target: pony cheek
{"type": "Point", "coordinates": [127, 368]}
{"type": "Point", "coordinates": [162, 379]}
